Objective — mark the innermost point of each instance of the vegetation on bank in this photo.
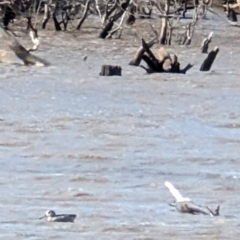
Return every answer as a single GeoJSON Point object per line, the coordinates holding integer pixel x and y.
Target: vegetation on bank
{"type": "Point", "coordinates": [115, 15]}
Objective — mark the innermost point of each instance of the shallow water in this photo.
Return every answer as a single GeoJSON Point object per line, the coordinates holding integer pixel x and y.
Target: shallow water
{"type": "Point", "coordinates": [102, 147]}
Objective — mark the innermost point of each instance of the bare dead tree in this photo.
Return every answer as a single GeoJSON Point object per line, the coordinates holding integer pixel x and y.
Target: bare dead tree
{"type": "Point", "coordinates": [86, 8]}
{"type": "Point", "coordinates": [170, 23]}
{"type": "Point", "coordinates": [205, 43]}
{"type": "Point", "coordinates": [97, 5]}
{"type": "Point", "coordinates": [56, 23]}
{"type": "Point", "coordinates": [164, 24]}
{"type": "Point", "coordinates": [112, 15]}
{"type": "Point", "coordinates": [46, 15]}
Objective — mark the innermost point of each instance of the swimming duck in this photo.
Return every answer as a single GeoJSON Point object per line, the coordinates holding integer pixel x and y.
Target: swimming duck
{"type": "Point", "coordinates": [53, 217]}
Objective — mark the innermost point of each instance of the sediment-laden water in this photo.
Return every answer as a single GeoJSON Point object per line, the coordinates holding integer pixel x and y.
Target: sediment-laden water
{"type": "Point", "coordinates": [102, 147]}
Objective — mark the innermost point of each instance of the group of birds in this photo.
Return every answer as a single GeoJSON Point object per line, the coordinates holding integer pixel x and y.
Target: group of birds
{"type": "Point", "coordinates": [182, 204]}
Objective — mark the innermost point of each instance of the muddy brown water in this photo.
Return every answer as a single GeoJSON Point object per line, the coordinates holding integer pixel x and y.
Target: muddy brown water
{"type": "Point", "coordinates": [102, 147]}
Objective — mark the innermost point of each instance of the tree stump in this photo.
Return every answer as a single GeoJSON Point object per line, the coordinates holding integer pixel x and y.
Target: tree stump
{"type": "Point", "coordinates": [205, 43]}
{"type": "Point", "coordinates": [207, 63]}
{"type": "Point", "coordinates": [109, 70]}
{"type": "Point", "coordinates": [231, 15]}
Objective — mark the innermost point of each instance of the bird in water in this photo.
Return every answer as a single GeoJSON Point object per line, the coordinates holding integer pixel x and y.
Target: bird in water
{"type": "Point", "coordinates": [53, 217]}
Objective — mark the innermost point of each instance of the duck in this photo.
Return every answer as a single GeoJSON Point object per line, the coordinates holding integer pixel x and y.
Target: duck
{"type": "Point", "coordinates": [53, 217]}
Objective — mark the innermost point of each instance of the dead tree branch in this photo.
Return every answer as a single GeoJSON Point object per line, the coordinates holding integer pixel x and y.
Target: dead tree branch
{"type": "Point", "coordinates": [56, 23]}
{"type": "Point", "coordinates": [46, 16]}
{"type": "Point", "coordinates": [116, 13]}
{"type": "Point", "coordinates": [206, 42]}
{"type": "Point", "coordinates": [161, 63]}
{"type": "Point", "coordinates": [84, 16]}
{"type": "Point", "coordinates": [138, 56]}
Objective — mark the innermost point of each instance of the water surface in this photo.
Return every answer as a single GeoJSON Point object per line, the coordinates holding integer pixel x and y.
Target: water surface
{"type": "Point", "coordinates": [102, 147]}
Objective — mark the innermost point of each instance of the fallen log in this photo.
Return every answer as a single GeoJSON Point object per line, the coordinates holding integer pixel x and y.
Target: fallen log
{"type": "Point", "coordinates": [20, 51]}
{"type": "Point", "coordinates": [185, 205]}
{"type": "Point", "coordinates": [161, 63]}
{"type": "Point", "coordinates": [207, 63]}
{"type": "Point", "coordinates": [152, 68]}
{"type": "Point", "coordinates": [152, 61]}
{"type": "Point", "coordinates": [109, 70]}
{"type": "Point", "coordinates": [138, 56]}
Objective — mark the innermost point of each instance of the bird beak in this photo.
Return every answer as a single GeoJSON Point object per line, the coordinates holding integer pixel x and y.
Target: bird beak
{"type": "Point", "coordinates": [42, 217]}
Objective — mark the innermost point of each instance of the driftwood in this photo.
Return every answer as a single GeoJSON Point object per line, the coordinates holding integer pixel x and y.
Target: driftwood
{"type": "Point", "coordinates": [192, 208]}
{"type": "Point", "coordinates": [109, 70]}
{"type": "Point", "coordinates": [205, 43]}
{"type": "Point", "coordinates": [207, 63]}
{"type": "Point", "coordinates": [156, 64]}
{"type": "Point", "coordinates": [185, 205]}
{"type": "Point", "coordinates": [153, 63]}
{"type": "Point", "coordinates": [20, 51]}
{"type": "Point", "coordinates": [138, 56]}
